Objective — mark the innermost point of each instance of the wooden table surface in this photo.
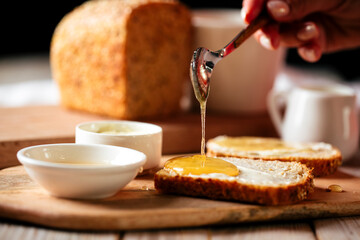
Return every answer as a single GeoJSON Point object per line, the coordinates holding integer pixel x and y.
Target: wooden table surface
{"type": "Point", "coordinates": [332, 228]}
{"type": "Point", "coordinates": [314, 229]}
{"type": "Point", "coordinates": [322, 228]}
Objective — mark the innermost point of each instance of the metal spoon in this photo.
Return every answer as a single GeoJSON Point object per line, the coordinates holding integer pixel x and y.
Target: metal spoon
{"type": "Point", "coordinates": [204, 60]}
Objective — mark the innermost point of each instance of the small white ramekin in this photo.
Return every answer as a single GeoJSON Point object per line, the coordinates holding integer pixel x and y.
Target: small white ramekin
{"type": "Point", "coordinates": [143, 137]}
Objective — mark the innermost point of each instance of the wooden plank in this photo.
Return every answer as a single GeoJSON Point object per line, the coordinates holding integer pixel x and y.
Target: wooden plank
{"type": "Point", "coordinates": [338, 228]}
{"type": "Point", "coordinates": [27, 126]}
{"type": "Point", "coordinates": [139, 206]}
{"type": "Point", "coordinates": [294, 231]}
{"type": "Point", "coordinates": [176, 234]}
{"type": "Point", "coordinates": [20, 232]}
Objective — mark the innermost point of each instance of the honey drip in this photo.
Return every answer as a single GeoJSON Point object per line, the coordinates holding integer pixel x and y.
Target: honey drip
{"type": "Point", "coordinates": [203, 115]}
{"type": "Point", "coordinates": [200, 164]}
{"type": "Point", "coordinates": [200, 73]}
{"type": "Point", "coordinates": [334, 188]}
{"type": "Point", "coordinates": [196, 165]}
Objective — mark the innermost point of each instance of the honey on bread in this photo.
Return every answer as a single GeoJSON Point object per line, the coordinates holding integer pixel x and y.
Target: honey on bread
{"type": "Point", "coordinates": [200, 164]}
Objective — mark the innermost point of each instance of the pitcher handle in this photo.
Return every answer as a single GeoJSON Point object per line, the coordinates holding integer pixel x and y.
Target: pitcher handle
{"type": "Point", "coordinates": [273, 104]}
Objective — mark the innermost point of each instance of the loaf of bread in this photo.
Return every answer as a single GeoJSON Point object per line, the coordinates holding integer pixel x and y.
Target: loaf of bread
{"type": "Point", "coordinates": [323, 158]}
{"type": "Point", "coordinates": [258, 181]}
{"type": "Point", "coordinates": [126, 59]}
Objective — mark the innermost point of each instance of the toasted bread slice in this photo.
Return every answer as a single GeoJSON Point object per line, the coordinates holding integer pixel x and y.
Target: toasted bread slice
{"type": "Point", "coordinates": [261, 182]}
{"type": "Point", "coordinates": [323, 158]}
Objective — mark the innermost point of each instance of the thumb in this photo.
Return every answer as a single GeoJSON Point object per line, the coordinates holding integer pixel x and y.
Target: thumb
{"type": "Point", "coordinates": [291, 10]}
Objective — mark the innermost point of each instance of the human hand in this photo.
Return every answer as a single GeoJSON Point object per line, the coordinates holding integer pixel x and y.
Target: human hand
{"type": "Point", "coordinates": [314, 27]}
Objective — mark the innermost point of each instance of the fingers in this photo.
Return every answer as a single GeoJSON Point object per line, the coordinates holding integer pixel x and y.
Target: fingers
{"type": "Point", "coordinates": [286, 10]}
{"type": "Point", "coordinates": [292, 10]}
{"type": "Point", "coordinates": [307, 31]}
{"type": "Point", "coordinates": [297, 34]}
{"type": "Point", "coordinates": [307, 36]}
{"type": "Point", "coordinates": [312, 37]}
{"type": "Point", "coordinates": [311, 52]}
{"type": "Point", "coordinates": [296, 24]}
{"type": "Point", "coordinates": [251, 9]}
{"type": "Point", "coordinates": [278, 9]}
{"type": "Point", "coordinates": [269, 36]}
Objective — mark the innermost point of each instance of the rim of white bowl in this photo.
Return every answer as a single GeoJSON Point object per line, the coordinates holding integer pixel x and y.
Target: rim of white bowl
{"type": "Point", "coordinates": [36, 162]}
{"type": "Point", "coordinates": [217, 18]}
{"type": "Point", "coordinates": [155, 128]}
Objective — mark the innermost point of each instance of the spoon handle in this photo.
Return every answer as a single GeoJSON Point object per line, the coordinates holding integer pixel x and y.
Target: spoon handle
{"type": "Point", "coordinates": [258, 23]}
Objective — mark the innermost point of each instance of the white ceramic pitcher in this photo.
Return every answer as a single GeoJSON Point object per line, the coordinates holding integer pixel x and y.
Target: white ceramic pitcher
{"type": "Point", "coordinates": [320, 113]}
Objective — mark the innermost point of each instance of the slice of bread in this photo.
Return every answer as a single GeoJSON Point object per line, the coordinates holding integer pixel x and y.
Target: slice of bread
{"type": "Point", "coordinates": [323, 158]}
{"type": "Point", "coordinates": [261, 182]}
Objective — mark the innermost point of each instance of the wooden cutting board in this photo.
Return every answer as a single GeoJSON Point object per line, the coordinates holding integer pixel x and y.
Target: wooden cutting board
{"type": "Point", "coordinates": [139, 206]}
{"type": "Point", "coordinates": [27, 126]}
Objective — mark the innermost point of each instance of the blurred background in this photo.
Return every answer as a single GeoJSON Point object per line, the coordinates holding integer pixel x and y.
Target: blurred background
{"type": "Point", "coordinates": [27, 28]}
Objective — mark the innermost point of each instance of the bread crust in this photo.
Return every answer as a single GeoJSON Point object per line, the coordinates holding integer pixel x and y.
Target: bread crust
{"type": "Point", "coordinates": [232, 190]}
{"type": "Point", "coordinates": [320, 165]}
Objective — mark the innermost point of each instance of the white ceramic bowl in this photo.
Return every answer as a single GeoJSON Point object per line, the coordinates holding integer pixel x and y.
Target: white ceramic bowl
{"type": "Point", "coordinates": [144, 137]}
{"type": "Point", "coordinates": [81, 171]}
